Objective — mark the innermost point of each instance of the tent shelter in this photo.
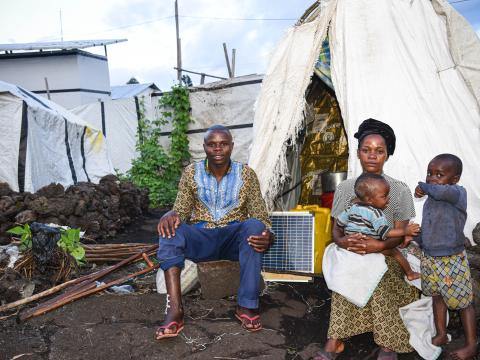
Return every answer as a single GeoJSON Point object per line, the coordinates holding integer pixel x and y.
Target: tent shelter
{"type": "Point", "coordinates": [43, 143]}
{"type": "Point", "coordinates": [412, 64]}
{"type": "Point", "coordinates": [228, 102]}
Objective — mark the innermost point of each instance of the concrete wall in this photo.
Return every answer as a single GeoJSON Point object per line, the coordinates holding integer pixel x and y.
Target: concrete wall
{"type": "Point", "coordinates": [74, 77]}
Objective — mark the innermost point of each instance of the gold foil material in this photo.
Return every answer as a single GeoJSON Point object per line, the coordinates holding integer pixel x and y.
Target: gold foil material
{"type": "Point", "coordinates": [325, 147]}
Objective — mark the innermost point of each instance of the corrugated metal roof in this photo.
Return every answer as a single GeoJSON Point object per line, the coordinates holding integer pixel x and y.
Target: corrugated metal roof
{"type": "Point", "coordinates": [64, 45]}
{"type": "Point", "coordinates": [130, 90]}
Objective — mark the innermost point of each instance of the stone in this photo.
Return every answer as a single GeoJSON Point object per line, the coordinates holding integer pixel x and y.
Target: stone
{"type": "Point", "coordinates": [26, 216]}
{"type": "Point", "coordinates": [476, 234]}
{"type": "Point", "coordinates": [4, 189]}
{"type": "Point", "coordinates": [219, 279]}
{"type": "Point", "coordinates": [52, 190]}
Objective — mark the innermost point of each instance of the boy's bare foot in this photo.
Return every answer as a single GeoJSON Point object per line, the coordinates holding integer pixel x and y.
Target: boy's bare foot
{"type": "Point", "coordinates": [413, 275]}
{"type": "Point", "coordinates": [440, 339]}
{"type": "Point", "coordinates": [467, 352]}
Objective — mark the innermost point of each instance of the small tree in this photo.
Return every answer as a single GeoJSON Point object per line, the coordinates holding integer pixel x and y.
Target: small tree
{"type": "Point", "coordinates": [157, 169]}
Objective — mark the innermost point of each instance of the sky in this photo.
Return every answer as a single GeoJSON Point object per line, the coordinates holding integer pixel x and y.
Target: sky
{"type": "Point", "coordinates": [252, 27]}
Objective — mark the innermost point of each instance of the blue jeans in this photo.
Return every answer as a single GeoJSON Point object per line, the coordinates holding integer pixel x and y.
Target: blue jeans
{"type": "Point", "coordinates": [226, 243]}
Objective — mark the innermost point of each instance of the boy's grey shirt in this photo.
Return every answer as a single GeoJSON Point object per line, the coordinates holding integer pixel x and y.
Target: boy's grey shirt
{"type": "Point", "coordinates": [443, 219]}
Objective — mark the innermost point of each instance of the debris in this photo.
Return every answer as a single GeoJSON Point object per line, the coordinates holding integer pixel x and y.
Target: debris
{"type": "Point", "coordinates": [88, 287]}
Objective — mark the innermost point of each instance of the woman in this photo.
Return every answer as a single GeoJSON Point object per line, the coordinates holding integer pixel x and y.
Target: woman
{"type": "Point", "coordinates": [376, 142]}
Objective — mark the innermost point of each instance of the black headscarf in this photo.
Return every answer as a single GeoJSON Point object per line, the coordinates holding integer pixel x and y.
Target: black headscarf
{"type": "Point", "coordinates": [375, 127]}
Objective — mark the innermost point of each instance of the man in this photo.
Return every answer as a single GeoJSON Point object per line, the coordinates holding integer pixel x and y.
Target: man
{"type": "Point", "coordinates": [219, 213]}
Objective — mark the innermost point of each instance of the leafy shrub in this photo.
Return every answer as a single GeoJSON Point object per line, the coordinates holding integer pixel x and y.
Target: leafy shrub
{"type": "Point", "coordinates": [156, 168]}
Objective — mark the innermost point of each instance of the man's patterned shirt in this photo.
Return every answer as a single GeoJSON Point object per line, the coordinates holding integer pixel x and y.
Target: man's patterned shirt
{"type": "Point", "coordinates": [202, 200]}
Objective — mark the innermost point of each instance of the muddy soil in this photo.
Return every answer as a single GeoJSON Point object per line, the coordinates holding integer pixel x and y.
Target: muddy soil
{"type": "Point", "coordinates": [117, 327]}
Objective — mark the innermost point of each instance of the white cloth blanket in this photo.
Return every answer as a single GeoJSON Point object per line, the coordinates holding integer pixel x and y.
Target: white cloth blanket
{"type": "Point", "coordinates": [351, 275]}
{"type": "Point", "coordinates": [418, 319]}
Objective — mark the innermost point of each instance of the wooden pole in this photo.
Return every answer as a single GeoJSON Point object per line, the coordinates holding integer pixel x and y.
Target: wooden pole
{"type": "Point", "coordinates": [48, 90]}
{"type": "Point", "coordinates": [179, 45]}
{"type": "Point", "coordinates": [202, 74]}
{"type": "Point", "coordinates": [227, 60]}
{"type": "Point", "coordinates": [234, 51]}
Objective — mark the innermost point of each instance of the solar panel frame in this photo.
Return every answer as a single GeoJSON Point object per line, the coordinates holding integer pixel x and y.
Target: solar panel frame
{"type": "Point", "coordinates": [293, 249]}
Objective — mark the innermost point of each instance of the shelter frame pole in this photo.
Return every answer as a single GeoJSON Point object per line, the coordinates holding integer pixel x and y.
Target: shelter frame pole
{"type": "Point", "coordinates": [234, 52]}
{"type": "Point", "coordinates": [179, 46]}
{"type": "Point", "coordinates": [227, 60]}
{"type": "Point", "coordinates": [47, 88]}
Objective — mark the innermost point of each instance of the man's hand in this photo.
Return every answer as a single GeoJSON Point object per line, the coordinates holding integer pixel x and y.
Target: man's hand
{"type": "Point", "coordinates": [168, 224]}
{"type": "Point", "coordinates": [419, 192]}
{"type": "Point", "coordinates": [262, 242]}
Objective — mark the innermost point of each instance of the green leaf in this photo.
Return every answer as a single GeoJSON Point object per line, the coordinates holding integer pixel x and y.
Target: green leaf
{"type": "Point", "coordinates": [78, 253]}
{"type": "Point", "coordinates": [17, 230]}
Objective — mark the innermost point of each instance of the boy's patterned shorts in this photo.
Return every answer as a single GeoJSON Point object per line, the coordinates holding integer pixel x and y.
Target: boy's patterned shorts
{"type": "Point", "coordinates": [448, 276]}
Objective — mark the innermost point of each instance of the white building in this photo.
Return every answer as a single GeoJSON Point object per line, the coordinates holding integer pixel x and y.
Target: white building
{"type": "Point", "coordinates": [61, 71]}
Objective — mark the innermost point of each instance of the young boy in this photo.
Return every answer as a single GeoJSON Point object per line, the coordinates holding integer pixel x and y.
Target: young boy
{"type": "Point", "coordinates": [444, 265]}
{"type": "Point", "coordinates": [366, 216]}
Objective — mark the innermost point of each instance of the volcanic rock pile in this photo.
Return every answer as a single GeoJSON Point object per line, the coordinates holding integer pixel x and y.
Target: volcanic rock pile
{"type": "Point", "coordinates": [101, 210]}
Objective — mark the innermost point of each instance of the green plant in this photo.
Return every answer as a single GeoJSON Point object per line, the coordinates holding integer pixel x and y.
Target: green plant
{"type": "Point", "coordinates": [156, 168]}
{"type": "Point", "coordinates": [25, 236]}
{"type": "Point", "coordinates": [70, 243]}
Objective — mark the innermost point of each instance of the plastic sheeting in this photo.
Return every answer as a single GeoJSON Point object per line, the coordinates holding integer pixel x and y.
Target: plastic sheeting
{"type": "Point", "coordinates": [229, 103]}
{"type": "Point", "coordinates": [392, 61]}
{"type": "Point", "coordinates": [42, 143]}
{"type": "Point", "coordinates": [119, 119]}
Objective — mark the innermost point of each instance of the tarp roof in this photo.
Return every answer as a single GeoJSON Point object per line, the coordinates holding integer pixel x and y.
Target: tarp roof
{"type": "Point", "coordinates": [130, 90]}
{"type": "Point", "coordinates": [63, 45]}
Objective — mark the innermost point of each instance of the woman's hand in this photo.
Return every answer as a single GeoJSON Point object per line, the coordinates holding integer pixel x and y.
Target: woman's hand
{"type": "Point", "coordinates": [360, 244]}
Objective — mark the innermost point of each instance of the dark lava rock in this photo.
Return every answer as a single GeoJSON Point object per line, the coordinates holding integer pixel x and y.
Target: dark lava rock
{"type": "Point", "coordinates": [26, 216]}
{"type": "Point", "coordinates": [5, 189]}
{"type": "Point", "coordinates": [52, 190]}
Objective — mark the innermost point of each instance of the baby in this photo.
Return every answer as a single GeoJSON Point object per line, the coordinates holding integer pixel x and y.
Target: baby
{"type": "Point", "coordinates": [365, 216]}
{"type": "Point", "coordinates": [444, 266]}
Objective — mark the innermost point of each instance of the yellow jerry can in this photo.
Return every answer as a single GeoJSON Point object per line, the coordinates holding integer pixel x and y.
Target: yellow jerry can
{"type": "Point", "coordinates": [322, 231]}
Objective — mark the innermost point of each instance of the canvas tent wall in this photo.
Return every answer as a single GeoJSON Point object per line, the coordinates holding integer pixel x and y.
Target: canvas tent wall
{"type": "Point", "coordinates": [412, 64]}
{"type": "Point", "coordinates": [43, 143]}
{"type": "Point", "coordinates": [228, 102]}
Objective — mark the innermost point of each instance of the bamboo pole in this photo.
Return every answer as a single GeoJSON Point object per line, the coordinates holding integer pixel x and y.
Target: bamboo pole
{"type": "Point", "coordinates": [41, 310]}
{"type": "Point", "coordinates": [81, 281]}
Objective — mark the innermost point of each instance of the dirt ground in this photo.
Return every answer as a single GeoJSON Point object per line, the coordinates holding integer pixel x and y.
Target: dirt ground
{"type": "Point", "coordinates": [117, 327]}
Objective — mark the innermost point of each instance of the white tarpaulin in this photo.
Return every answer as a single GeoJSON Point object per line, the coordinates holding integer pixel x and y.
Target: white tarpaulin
{"type": "Point", "coordinates": [390, 60]}
{"type": "Point", "coordinates": [42, 143]}
{"type": "Point", "coordinates": [228, 102]}
{"type": "Point", "coordinates": [118, 119]}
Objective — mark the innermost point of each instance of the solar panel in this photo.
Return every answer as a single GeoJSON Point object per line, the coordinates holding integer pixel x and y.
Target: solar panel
{"type": "Point", "coordinates": [294, 242]}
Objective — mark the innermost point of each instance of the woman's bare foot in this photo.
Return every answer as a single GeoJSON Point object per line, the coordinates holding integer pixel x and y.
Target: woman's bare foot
{"type": "Point", "coordinates": [413, 275]}
{"type": "Point", "coordinates": [334, 346]}
{"type": "Point", "coordinates": [467, 352]}
{"type": "Point", "coordinates": [440, 339]}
